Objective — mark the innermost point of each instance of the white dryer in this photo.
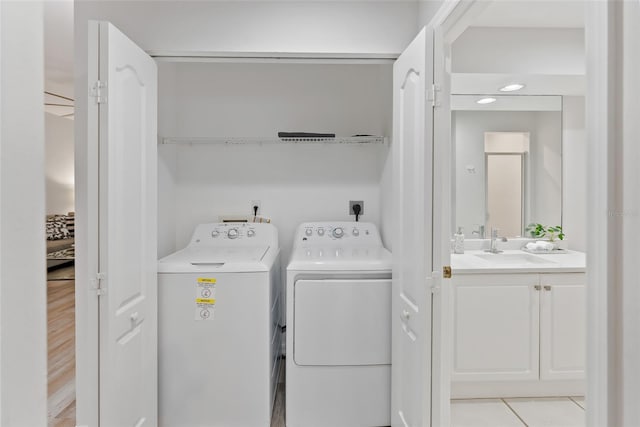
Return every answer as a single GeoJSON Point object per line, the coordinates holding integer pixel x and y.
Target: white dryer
{"type": "Point", "coordinates": [218, 333]}
{"type": "Point", "coordinates": [338, 351]}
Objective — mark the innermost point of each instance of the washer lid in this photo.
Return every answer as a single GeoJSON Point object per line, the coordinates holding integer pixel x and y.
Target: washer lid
{"type": "Point", "coordinates": [220, 259]}
{"type": "Point", "coordinates": [337, 258]}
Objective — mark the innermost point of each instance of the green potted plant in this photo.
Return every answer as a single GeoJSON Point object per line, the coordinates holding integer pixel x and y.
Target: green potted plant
{"type": "Point", "coordinates": [539, 231]}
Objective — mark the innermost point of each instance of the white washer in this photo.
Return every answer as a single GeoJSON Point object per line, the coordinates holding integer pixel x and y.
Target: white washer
{"type": "Point", "coordinates": [338, 327]}
{"type": "Point", "coordinates": [218, 333]}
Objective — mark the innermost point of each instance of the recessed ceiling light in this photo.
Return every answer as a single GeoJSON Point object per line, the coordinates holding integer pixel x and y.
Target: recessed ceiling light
{"type": "Point", "coordinates": [512, 87]}
{"type": "Point", "coordinates": [486, 100]}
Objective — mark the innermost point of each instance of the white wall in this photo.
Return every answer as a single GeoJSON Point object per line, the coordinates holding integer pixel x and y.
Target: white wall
{"type": "Point", "coordinates": [544, 160]}
{"type": "Point", "coordinates": [630, 218]}
{"type": "Point", "coordinates": [294, 182]}
{"type": "Point", "coordinates": [519, 51]}
{"type": "Point", "coordinates": [58, 47]}
{"type": "Point", "coordinates": [546, 163]}
{"type": "Point", "coordinates": [426, 11]}
{"type": "Point", "coordinates": [23, 339]}
{"type": "Point", "coordinates": [574, 153]}
{"type": "Point", "coordinates": [59, 160]}
{"type": "Point", "coordinates": [258, 100]}
{"type": "Point", "coordinates": [259, 26]}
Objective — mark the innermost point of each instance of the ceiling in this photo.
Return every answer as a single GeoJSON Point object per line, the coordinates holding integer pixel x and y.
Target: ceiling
{"type": "Point", "coordinates": [533, 14]}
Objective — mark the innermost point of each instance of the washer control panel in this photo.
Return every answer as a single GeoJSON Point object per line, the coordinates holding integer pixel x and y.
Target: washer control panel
{"type": "Point", "coordinates": [234, 233]}
{"type": "Point", "coordinates": [323, 233]}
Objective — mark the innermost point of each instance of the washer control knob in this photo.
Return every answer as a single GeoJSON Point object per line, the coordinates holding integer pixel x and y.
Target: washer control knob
{"type": "Point", "coordinates": [338, 232]}
{"type": "Point", "coordinates": [232, 233]}
{"type": "Point", "coordinates": [308, 231]}
{"type": "Point", "coordinates": [355, 232]}
{"type": "Point", "coordinates": [251, 233]}
{"type": "Point", "coordinates": [320, 231]}
{"type": "Point", "coordinates": [215, 233]}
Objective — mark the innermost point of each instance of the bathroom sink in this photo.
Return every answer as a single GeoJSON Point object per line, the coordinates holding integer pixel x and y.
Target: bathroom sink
{"type": "Point", "coordinates": [514, 259]}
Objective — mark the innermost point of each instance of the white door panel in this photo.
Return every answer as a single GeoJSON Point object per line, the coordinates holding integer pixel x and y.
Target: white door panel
{"type": "Point", "coordinates": [562, 327]}
{"type": "Point", "coordinates": [342, 322]}
{"type": "Point", "coordinates": [127, 239]}
{"type": "Point", "coordinates": [412, 254]}
{"type": "Point", "coordinates": [496, 328]}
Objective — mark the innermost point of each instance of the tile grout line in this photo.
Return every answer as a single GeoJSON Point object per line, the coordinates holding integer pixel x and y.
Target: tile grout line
{"type": "Point", "coordinates": [579, 405]}
{"type": "Point", "coordinates": [514, 412]}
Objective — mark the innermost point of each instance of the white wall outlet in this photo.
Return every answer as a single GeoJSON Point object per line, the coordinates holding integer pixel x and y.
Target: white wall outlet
{"type": "Point", "coordinates": [255, 203]}
{"type": "Point", "coordinates": [356, 202]}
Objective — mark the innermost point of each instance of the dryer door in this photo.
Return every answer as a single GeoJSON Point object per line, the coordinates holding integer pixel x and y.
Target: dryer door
{"type": "Point", "coordinates": [342, 322]}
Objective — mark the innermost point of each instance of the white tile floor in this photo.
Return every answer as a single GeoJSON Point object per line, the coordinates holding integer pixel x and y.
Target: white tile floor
{"type": "Point", "coordinates": [518, 412]}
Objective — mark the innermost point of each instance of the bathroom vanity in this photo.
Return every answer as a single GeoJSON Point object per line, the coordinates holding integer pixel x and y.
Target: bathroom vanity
{"type": "Point", "coordinates": [519, 324]}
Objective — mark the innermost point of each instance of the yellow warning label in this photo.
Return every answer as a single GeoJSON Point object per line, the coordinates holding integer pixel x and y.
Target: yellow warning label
{"type": "Point", "coordinates": [206, 280]}
{"type": "Point", "coordinates": [210, 301]}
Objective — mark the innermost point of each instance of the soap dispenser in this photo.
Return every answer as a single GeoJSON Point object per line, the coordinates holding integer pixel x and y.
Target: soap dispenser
{"type": "Point", "coordinates": [458, 242]}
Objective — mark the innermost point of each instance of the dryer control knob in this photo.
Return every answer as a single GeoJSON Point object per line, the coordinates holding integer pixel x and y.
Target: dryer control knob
{"type": "Point", "coordinates": [338, 232]}
{"type": "Point", "coordinates": [232, 233]}
{"type": "Point", "coordinates": [215, 233]}
{"type": "Point", "coordinates": [355, 232]}
{"type": "Point", "coordinates": [320, 231]}
{"type": "Point", "coordinates": [308, 232]}
{"type": "Point", "coordinates": [251, 233]}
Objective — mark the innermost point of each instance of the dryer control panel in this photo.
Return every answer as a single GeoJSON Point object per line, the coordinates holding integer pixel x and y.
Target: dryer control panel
{"type": "Point", "coordinates": [235, 234]}
{"type": "Point", "coordinates": [345, 233]}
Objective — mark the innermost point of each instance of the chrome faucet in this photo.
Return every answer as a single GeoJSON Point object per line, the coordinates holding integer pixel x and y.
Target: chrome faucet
{"type": "Point", "coordinates": [494, 241]}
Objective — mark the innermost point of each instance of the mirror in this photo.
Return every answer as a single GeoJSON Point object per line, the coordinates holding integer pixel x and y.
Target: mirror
{"type": "Point", "coordinates": [507, 162]}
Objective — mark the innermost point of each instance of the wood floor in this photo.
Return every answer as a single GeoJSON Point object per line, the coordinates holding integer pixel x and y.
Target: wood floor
{"type": "Point", "coordinates": [61, 347]}
{"type": "Point", "coordinates": [277, 418]}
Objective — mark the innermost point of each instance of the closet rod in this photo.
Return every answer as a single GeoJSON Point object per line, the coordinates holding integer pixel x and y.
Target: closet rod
{"type": "Point", "coordinates": [274, 57]}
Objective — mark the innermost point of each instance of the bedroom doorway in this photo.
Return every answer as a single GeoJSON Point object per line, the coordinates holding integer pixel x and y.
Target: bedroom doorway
{"type": "Point", "coordinates": [60, 227]}
{"type": "Point", "coordinates": [60, 210]}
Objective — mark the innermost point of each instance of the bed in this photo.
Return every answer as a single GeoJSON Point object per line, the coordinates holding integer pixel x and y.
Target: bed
{"type": "Point", "coordinates": [60, 240]}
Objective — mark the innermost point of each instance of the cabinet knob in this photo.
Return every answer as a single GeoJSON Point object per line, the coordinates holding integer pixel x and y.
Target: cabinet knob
{"type": "Point", "coordinates": [547, 287]}
{"type": "Point", "coordinates": [537, 287]}
{"type": "Point", "coordinates": [405, 315]}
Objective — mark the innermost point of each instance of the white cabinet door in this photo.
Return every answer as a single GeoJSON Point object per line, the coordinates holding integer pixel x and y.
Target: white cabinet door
{"type": "Point", "coordinates": [127, 140]}
{"type": "Point", "coordinates": [496, 327]}
{"type": "Point", "coordinates": [412, 245]}
{"type": "Point", "coordinates": [562, 326]}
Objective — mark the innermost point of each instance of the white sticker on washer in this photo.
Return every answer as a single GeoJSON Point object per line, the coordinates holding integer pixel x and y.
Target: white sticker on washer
{"type": "Point", "coordinates": [205, 298]}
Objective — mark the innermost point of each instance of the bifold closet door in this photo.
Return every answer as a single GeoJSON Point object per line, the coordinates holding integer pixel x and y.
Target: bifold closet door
{"type": "Point", "coordinates": [122, 123]}
{"type": "Point", "coordinates": [412, 245]}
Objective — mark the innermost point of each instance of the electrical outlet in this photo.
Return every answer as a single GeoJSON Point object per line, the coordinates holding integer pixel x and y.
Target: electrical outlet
{"type": "Point", "coordinates": [253, 204]}
{"type": "Point", "coordinates": [356, 202]}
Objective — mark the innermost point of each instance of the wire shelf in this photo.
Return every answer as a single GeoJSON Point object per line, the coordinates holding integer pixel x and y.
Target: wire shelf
{"type": "Point", "coordinates": [235, 140]}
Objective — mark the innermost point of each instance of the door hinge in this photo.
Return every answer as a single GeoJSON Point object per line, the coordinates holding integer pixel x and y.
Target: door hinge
{"type": "Point", "coordinates": [432, 284]}
{"type": "Point", "coordinates": [99, 92]}
{"type": "Point", "coordinates": [432, 95]}
{"type": "Point", "coordinates": [100, 288]}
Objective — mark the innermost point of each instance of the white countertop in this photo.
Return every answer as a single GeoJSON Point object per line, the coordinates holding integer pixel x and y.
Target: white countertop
{"type": "Point", "coordinates": [517, 261]}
